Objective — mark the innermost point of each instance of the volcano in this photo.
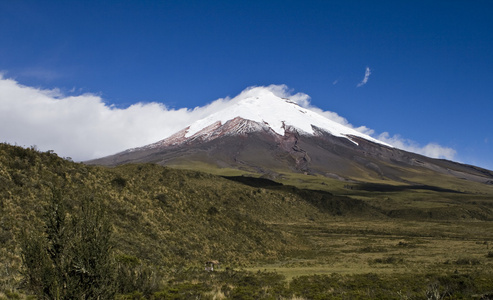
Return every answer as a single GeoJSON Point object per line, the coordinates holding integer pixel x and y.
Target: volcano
{"type": "Point", "coordinates": [269, 135]}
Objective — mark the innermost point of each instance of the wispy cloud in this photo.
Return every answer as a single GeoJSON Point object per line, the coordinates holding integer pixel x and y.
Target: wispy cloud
{"type": "Point", "coordinates": [367, 76]}
{"type": "Point", "coordinates": [40, 73]}
{"type": "Point", "coordinates": [431, 149]}
{"type": "Point", "coordinates": [85, 127]}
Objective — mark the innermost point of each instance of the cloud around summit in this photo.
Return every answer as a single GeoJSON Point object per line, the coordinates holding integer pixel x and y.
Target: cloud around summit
{"type": "Point", "coordinates": [85, 127]}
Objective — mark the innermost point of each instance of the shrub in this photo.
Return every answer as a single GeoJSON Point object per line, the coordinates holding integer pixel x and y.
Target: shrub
{"type": "Point", "coordinates": [12, 295]}
{"type": "Point", "coordinates": [388, 260]}
{"type": "Point", "coordinates": [119, 182]}
{"type": "Point", "coordinates": [71, 259]}
{"type": "Point", "coordinates": [314, 286]}
{"type": "Point", "coordinates": [468, 261]}
{"type": "Point", "coordinates": [133, 275]}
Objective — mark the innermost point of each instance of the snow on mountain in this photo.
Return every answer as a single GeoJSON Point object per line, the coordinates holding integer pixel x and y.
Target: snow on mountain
{"type": "Point", "coordinates": [264, 107]}
{"type": "Point", "coordinates": [260, 109]}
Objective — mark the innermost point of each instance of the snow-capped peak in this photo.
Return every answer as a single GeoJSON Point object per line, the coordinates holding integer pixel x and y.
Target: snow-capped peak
{"type": "Point", "coordinates": [261, 105]}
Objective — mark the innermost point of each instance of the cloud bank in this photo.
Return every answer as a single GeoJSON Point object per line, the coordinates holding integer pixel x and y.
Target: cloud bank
{"type": "Point", "coordinates": [367, 76]}
{"type": "Point", "coordinates": [85, 127]}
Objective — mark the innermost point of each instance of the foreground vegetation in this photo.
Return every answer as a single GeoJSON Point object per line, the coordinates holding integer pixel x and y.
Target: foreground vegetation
{"type": "Point", "coordinates": [322, 239]}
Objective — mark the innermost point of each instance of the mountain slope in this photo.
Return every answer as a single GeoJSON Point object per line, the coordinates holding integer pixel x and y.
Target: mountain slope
{"type": "Point", "coordinates": [265, 134]}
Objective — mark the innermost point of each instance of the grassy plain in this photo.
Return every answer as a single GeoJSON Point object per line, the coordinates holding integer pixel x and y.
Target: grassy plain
{"type": "Point", "coordinates": [356, 246]}
{"type": "Point", "coordinates": [427, 227]}
{"type": "Point", "coordinates": [312, 237]}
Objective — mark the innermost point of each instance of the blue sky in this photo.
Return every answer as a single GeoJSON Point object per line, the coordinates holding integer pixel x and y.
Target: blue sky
{"type": "Point", "coordinates": [430, 63]}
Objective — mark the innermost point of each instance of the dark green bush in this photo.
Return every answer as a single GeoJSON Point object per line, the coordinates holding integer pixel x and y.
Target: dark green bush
{"type": "Point", "coordinates": [388, 260]}
{"type": "Point", "coordinates": [119, 182]}
{"type": "Point", "coordinates": [72, 258]}
{"type": "Point", "coordinates": [468, 261]}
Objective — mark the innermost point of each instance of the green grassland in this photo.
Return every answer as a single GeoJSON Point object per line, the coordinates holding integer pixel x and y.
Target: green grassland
{"type": "Point", "coordinates": [311, 237]}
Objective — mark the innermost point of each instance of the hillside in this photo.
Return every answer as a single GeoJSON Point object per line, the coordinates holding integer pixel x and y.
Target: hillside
{"type": "Point", "coordinates": [163, 216]}
{"type": "Point", "coordinates": [169, 219]}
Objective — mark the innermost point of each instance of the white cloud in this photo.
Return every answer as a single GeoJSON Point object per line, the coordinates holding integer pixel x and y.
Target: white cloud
{"type": "Point", "coordinates": [431, 149]}
{"type": "Point", "coordinates": [282, 91]}
{"type": "Point", "coordinates": [84, 127]}
{"type": "Point", "coordinates": [367, 76]}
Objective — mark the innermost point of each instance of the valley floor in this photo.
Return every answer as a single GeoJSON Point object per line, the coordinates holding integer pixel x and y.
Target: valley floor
{"type": "Point", "coordinates": [355, 246]}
